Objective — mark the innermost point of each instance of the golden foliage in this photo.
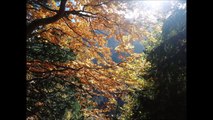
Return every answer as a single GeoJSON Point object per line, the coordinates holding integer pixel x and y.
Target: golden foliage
{"type": "Point", "coordinates": [81, 33]}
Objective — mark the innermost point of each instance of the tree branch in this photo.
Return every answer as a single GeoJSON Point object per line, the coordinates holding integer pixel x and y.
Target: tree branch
{"type": "Point", "coordinates": [45, 21]}
{"type": "Point", "coordinates": [60, 14]}
{"type": "Point", "coordinates": [81, 13]}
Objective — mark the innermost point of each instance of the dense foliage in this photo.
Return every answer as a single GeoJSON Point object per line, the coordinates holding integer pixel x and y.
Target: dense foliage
{"type": "Point", "coordinates": [86, 60]}
{"type": "Point", "coordinates": [166, 99]}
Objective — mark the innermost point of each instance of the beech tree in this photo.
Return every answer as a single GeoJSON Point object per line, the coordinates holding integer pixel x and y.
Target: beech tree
{"type": "Point", "coordinates": [63, 39]}
{"type": "Point", "coordinates": [71, 72]}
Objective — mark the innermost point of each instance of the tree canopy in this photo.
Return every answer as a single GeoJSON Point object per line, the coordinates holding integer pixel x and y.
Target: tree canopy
{"type": "Point", "coordinates": [81, 57]}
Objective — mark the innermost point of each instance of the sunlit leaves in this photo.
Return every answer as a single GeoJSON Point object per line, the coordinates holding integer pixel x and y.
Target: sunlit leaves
{"type": "Point", "coordinates": [127, 108]}
{"type": "Point", "coordinates": [75, 45]}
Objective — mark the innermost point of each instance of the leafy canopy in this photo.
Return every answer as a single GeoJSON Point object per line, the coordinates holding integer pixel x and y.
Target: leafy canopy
{"type": "Point", "coordinates": [63, 39]}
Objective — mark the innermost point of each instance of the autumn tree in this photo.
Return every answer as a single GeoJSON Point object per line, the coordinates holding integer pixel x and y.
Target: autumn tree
{"type": "Point", "coordinates": [64, 37]}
